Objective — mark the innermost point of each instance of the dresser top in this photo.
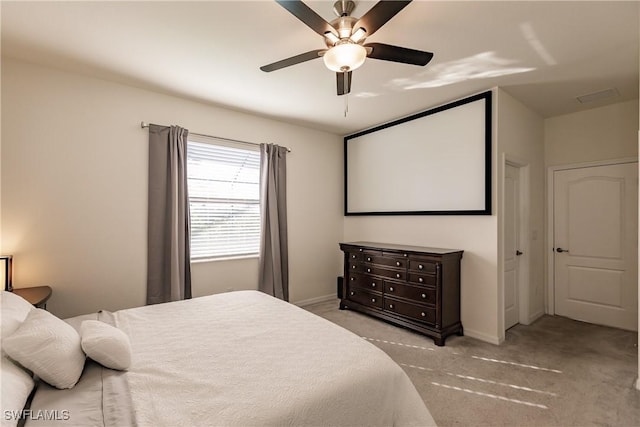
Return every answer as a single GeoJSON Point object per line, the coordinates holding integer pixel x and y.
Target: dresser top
{"type": "Point", "coordinates": [403, 248]}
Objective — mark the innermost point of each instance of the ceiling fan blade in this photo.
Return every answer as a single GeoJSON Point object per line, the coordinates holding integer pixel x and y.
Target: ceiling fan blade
{"type": "Point", "coordinates": [379, 14]}
{"type": "Point", "coordinates": [307, 15]}
{"type": "Point", "coordinates": [387, 52]}
{"type": "Point", "coordinates": [303, 57]}
{"type": "Point", "coordinates": [343, 81]}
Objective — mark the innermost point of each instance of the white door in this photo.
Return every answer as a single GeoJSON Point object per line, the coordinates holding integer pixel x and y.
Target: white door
{"type": "Point", "coordinates": [511, 245]}
{"type": "Point", "coordinates": [596, 244]}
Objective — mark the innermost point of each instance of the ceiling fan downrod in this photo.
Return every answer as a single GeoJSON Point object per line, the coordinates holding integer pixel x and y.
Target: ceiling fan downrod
{"type": "Point", "coordinates": [343, 25]}
{"type": "Point", "coordinates": [343, 8]}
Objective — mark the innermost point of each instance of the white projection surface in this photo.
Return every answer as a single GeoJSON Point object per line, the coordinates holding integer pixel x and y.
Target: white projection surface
{"type": "Point", "coordinates": [434, 164]}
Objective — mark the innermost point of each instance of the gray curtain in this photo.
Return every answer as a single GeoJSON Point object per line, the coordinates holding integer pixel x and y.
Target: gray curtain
{"type": "Point", "coordinates": [273, 277]}
{"type": "Point", "coordinates": [168, 259]}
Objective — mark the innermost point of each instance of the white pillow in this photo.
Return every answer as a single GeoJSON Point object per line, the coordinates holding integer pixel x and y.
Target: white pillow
{"type": "Point", "coordinates": [14, 311]}
{"type": "Point", "coordinates": [16, 387]}
{"type": "Point", "coordinates": [49, 347]}
{"type": "Point", "coordinates": [106, 344]}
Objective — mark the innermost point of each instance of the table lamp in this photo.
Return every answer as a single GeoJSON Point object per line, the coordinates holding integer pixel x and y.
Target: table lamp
{"type": "Point", "coordinates": [6, 267]}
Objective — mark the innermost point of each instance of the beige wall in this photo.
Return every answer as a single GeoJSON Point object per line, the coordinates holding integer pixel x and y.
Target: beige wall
{"type": "Point", "coordinates": [518, 135]}
{"type": "Point", "coordinates": [74, 182]}
{"type": "Point", "coordinates": [521, 141]}
{"type": "Point", "coordinates": [604, 133]}
{"type": "Point", "coordinates": [73, 195]}
{"type": "Point", "coordinates": [476, 235]}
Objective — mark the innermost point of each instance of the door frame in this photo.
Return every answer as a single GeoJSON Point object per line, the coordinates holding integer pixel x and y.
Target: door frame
{"type": "Point", "coordinates": [550, 288]}
{"type": "Point", "coordinates": [523, 237]}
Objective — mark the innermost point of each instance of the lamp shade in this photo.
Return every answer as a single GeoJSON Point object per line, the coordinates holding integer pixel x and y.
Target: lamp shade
{"type": "Point", "coordinates": [345, 57]}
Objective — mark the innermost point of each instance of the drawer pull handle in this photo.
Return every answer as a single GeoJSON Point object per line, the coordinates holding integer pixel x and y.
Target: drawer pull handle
{"type": "Point", "coordinates": [391, 289]}
{"type": "Point", "coordinates": [368, 258]}
{"type": "Point", "coordinates": [420, 266]}
{"type": "Point", "coordinates": [398, 275]}
{"type": "Point", "coordinates": [424, 296]}
{"type": "Point", "coordinates": [423, 314]}
{"type": "Point", "coordinates": [373, 285]}
{"type": "Point", "coordinates": [373, 300]}
{"type": "Point", "coordinates": [420, 279]}
{"type": "Point", "coordinates": [352, 278]}
{"type": "Point", "coordinates": [352, 293]}
{"type": "Point", "coordinates": [354, 266]}
{"type": "Point", "coordinates": [398, 263]}
{"type": "Point", "coordinates": [404, 255]}
{"type": "Point", "coordinates": [390, 305]}
{"type": "Point", "coordinates": [353, 256]}
{"type": "Point", "coordinates": [368, 270]}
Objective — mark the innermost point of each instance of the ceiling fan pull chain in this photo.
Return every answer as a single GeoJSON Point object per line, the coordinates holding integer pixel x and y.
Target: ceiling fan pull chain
{"type": "Point", "coordinates": [346, 83]}
{"type": "Point", "coordinates": [346, 104]}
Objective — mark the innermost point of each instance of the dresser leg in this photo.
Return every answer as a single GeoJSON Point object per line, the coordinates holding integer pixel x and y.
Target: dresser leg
{"type": "Point", "coordinates": [439, 342]}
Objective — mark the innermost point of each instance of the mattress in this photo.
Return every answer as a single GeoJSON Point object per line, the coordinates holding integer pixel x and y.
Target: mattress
{"type": "Point", "coordinates": [239, 359]}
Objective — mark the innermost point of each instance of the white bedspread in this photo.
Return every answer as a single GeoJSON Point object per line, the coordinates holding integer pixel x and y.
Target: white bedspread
{"type": "Point", "coordinates": [244, 358]}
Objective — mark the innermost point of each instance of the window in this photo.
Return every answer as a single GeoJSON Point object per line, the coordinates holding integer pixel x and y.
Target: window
{"type": "Point", "coordinates": [224, 198]}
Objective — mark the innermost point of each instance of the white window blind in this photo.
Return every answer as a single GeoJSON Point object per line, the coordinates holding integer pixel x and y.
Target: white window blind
{"type": "Point", "coordinates": [224, 198]}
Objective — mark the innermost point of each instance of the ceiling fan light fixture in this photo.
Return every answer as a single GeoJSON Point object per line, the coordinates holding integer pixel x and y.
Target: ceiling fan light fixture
{"type": "Point", "coordinates": [332, 39]}
{"type": "Point", "coordinates": [344, 57]}
{"type": "Point", "coordinates": [358, 35]}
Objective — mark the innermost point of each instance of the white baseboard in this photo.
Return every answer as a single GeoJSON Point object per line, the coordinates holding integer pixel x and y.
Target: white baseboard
{"type": "Point", "coordinates": [482, 336]}
{"type": "Point", "coordinates": [535, 316]}
{"type": "Point", "coordinates": [638, 383]}
{"type": "Point", "coordinates": [316, 300]}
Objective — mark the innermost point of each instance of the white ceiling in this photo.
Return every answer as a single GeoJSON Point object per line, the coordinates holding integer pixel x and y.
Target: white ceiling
{"type": "Point", "coordinates": [544, 53]}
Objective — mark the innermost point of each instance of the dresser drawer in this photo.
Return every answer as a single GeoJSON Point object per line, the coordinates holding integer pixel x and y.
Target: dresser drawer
{"type": "Point", "coordinates": [422, 279]}
{"type": "Point", "coordinates": [386, 261]}
{"type": "Point", "coordinates": [421, 265]}
{"type": "Point", "coordinates": [379, 271]}
{"type": "Point", "coordinates": [413, 311]}
{"type": "Point", "coordinates": [415, 293]}
{"type": "Point", "coordinates": [365, 281]}
{"type": "Point", "coordinates": [365, 297]}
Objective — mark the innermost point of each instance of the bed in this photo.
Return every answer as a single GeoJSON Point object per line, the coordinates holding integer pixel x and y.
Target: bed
{"type": "Point", "coordinates": [235, 359]}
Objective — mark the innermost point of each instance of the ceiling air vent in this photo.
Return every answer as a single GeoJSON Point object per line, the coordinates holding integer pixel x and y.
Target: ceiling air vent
{"type": "Point", "coordinates": [598, 96]}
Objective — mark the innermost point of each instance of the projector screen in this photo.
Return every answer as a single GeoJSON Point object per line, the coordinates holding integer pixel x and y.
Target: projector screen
{"type": "Point", "coordinates": [437, 162]}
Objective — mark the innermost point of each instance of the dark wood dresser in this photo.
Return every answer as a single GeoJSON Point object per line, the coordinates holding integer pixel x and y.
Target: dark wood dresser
{"type": "Point", "coordinates": [411, 286]}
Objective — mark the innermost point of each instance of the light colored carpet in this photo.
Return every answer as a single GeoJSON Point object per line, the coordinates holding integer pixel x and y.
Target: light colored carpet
{"type": "Point", "coordinates": [555, 372]}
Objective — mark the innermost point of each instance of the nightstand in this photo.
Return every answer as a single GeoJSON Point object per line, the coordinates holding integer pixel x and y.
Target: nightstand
{"type": "Point", "coordinates": [38, 295]}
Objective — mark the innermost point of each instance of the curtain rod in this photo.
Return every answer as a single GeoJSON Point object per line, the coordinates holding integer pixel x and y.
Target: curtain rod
{"type": "Point", "coordinates": [146, 125]}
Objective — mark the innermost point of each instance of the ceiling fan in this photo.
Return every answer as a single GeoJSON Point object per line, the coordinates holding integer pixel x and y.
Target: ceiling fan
{"type": "Point", "coordinates": [345, 36]}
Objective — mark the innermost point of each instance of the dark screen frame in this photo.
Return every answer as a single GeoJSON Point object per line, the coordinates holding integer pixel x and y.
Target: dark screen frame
{"type": "Point", "coordinates": [487, 97]}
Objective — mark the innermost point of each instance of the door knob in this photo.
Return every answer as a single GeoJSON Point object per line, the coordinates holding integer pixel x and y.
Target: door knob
{"type": "Point", "coordinates": [560, 250]}
{"type": "Point", "coordinates": [518, 253]}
